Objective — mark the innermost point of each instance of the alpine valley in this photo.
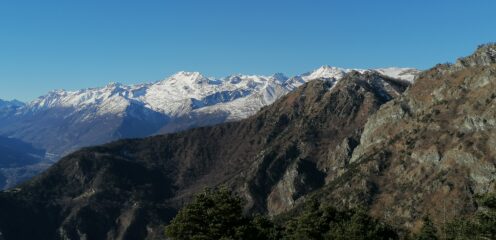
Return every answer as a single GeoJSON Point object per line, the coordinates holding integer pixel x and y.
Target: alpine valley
{"type": "Point", "coordinates": [64, 121]}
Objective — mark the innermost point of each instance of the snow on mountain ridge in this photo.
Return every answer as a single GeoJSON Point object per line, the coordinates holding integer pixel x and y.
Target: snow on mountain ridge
{"type": "Point", "coordinates": [407, 74]}
{"type": "Point", "coordinates": [328, 72]}
{"type": "Point", "coordinates": [73, 119]}
{"type": "Point", "coordinates": [185, 92]}
{"type": "Point", "coordinates": [188, 77]}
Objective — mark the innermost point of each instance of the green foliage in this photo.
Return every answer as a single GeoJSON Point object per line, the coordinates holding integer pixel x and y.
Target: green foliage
{"type": "Point", "coordinates": [264, 229]}
{"type": "Point", "coordinates": [428, 231]}
{"type": "Point", "coordinates": [313, 223]}
{"type": "Point", "coordinates": [461, 229]}
{"type": "Point", "coordinates": [218, 214]}
{"type": "Point", "coordinates": [214, 214]}
{"type": "Point", "coordinates": [486, 218]}
{"type": "Point", "coordinates": [357, 224]}
{"type": "Point", "coordinates": [318, 222]}
{"type": "Point", "coordinates": [482, 226]}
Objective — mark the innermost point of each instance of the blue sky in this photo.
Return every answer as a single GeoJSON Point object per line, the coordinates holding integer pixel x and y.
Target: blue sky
{"type": "Point", "coordinates": [49, 44]}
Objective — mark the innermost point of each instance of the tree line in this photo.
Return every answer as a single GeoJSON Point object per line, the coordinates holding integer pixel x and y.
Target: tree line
{"type": "Point", "coordinates": [218, 214]}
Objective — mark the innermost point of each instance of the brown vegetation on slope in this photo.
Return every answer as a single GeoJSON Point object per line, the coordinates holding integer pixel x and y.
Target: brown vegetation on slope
{"type": "Point", "coordinates": [430, 151]}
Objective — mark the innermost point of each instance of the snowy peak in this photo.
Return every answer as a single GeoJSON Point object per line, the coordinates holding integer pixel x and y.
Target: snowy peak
{"type": "Point", "coordinates": [114, 85]}
{"type": "Point", "coordinates": [184, 92]}
{"type": "Point", "coordinates": [188, 77]}
{"type": "Point", "coordinates": [329, 72]}
{"type": "Point", "coordinates": [233, 79]}
{"type": "Point", "coordinates": [407, 74]}
{"type": "Point", "coordinates": [279, 77]}
{"type": "Point", "coordinates": [325, 72]}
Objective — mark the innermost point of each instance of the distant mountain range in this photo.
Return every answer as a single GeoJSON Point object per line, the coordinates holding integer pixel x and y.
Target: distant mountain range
{"type": "Point", "coordinates": [63, 121]}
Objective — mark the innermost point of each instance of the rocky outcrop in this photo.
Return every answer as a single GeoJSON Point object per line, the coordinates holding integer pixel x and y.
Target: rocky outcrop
{"type": "Point", "coordinates": [429, 151]}
{"type": "Point", "coordinates": [316, 148]}
{"type": "Point", "coordinates": [485, 55]}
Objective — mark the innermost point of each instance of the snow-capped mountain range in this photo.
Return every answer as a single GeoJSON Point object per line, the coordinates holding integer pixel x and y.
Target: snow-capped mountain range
{"type": "Point", "coordinates": [186, 92]}
{"type": "Point", "coordinates": [63, 121]}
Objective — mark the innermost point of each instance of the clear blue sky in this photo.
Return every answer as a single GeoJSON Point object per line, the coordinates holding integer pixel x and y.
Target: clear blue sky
{"type": "Point", "coordinates": [65, 44]}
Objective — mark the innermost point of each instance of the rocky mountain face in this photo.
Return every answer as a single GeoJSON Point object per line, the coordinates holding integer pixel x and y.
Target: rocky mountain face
{"type": "Point", "coordinates": [64, 121]}
{"type": "Point", "coordinates": [129, 189]}
{"type": "Point", "coordinates": [429, 151]}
